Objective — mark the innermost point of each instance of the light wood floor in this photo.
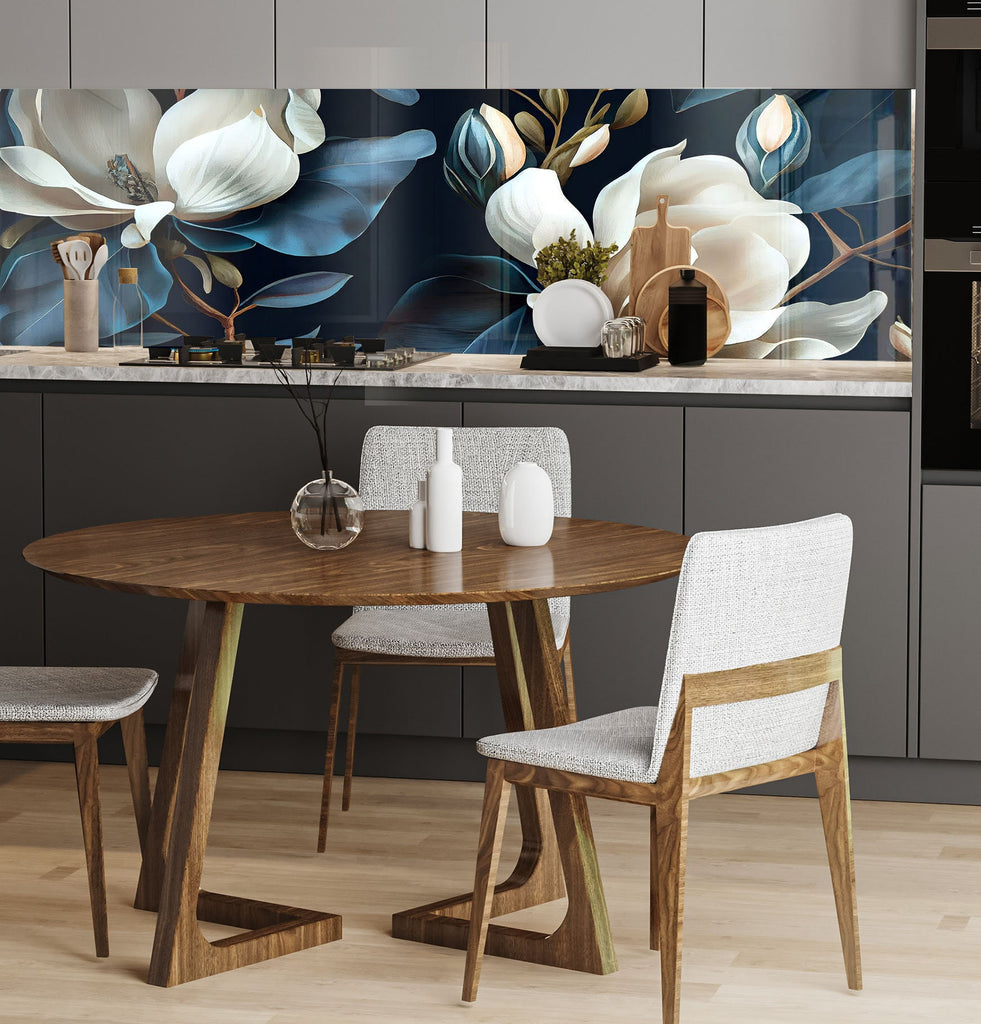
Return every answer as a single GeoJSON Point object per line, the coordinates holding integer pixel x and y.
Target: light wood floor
{"type": "Point", "coordinates": [757, 881]}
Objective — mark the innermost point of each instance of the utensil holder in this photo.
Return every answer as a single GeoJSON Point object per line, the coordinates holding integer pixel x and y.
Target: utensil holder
{"type": "Point", "coordinates": [81, 316]}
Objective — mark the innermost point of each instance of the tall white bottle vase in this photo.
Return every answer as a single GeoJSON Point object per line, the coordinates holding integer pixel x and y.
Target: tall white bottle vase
{"type": "Point", "coordinates": [526, 513]}
{"type": "Point", "coordinates": [444, 497]}
{"type": "Point", "coordinates": [417, 518]}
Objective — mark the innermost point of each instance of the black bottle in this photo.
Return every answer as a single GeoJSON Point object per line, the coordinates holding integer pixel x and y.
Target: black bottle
{"type": "Point", "coordinates": [687, 318]}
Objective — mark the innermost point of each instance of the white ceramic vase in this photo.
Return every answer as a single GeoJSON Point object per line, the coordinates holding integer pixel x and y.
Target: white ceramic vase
{"type": "Point", "coordinates": [444, 497]}
{"type": "Point", "coordinates": [527, 509]}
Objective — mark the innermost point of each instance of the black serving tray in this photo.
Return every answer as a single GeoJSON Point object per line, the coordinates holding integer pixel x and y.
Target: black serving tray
{"type": "Point", "coordinates": [556, 357]}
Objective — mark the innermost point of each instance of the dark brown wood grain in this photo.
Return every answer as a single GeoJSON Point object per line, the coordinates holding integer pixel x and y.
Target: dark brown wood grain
{"type": "Point", "coordinates": [254, 558]}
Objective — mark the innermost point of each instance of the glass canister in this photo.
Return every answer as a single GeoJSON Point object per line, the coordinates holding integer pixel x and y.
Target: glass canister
{"type": "Point", "coordinates": [327, 514]}
{"type": "Point", "coordinates": [129, 310]}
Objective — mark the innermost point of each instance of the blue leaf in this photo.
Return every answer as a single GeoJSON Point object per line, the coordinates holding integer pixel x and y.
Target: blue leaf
{"type": "Point", "coordinates": [213, 239]}
{"type": "Point", "coordinates": [511, 336]}
{"type": "Point", "coordinates": [494, 272]}
{"type": "Point", "coordinates": [407, 97]}
{"type": "Point", "coordinates": [881, 174]}
{"type": "Point", "coordinates": [32, 287]}
{"type": "Point", "coordinates": [301, 290]}
{"type": "Point", "coordinates": [9, 132]}
{"type": "Point", "coordinates": [685, 99]}
{"type": "Point", "coordinates": [342, 186]}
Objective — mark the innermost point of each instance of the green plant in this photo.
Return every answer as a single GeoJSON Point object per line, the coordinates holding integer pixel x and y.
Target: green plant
{"type": "Point", "coordinates": [566, 259]}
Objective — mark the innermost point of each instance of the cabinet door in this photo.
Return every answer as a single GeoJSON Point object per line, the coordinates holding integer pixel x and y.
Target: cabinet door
{"type": "Point", "coordinates": [111, 458]}
{"type": "Point", "coordinates": [370, 44]}
{"type": "Point", "coordinates": [950, 610]}
{"type": "Point", "coordinates": [798, 44]}
{"type": "Point", "coordinates": [182, 44]}
{"type": "Point", "coordinates": [626, 466]}
{"type": "Point", "coordinates": [573, 44]}
{"type": "Point", "coordinates": [34, 45]}
{"type": "Point", "coordinates": [758, 467]}
{"type": "Point", "coordinates": [21, 521]}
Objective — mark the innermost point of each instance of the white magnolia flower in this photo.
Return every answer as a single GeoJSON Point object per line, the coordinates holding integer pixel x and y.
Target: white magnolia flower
{"type": "Point", "coordinates": [95, 158]}
{"type": "Point", "coordinates": [751, 245]}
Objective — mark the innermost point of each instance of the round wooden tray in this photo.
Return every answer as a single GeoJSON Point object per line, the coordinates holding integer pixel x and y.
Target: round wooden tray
{"type": "Point", "coordinates": [652, 305]}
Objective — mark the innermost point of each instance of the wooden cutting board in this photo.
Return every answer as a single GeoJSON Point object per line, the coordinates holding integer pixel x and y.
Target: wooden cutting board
{"type": "Point", "coordinates": [652, 305]}
{"type": "Point", "coordinates": [653, 249]}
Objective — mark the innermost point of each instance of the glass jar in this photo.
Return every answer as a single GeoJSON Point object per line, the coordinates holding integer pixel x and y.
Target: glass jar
{"type": "Point", "coordinates": [327, 514]}
{"type": "Point", "coordinates": [129, 310]}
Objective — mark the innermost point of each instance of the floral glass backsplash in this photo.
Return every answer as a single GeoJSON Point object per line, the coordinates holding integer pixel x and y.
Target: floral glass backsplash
{"type": "Point", "coordinates": [416, 216]}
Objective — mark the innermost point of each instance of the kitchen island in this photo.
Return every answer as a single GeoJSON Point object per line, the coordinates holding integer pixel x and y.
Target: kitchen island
{"type": "Point", "coordinates": [733, 443]}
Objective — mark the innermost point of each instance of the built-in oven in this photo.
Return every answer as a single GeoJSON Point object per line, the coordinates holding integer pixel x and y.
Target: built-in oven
{"type": "Point", "coordinates": [951, 301]}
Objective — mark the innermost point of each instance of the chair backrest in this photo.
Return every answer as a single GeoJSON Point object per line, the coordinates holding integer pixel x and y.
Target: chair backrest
{"type": "Point", "coordinates": [393, 459]}
{"type": "Point", "coordinates": [746, 597]}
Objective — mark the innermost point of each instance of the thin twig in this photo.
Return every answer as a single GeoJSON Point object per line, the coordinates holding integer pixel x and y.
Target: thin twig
{"type": "Point", "coordinates": [537, 106]}
{"type": "Point", "coordinates": [592, 106]}
{"type": "Point", "coordinates": [858, 223]}
{"type": "Point", "coordinates": [883, 263]}
{"type": "Point", "coordinates": [173, 327]}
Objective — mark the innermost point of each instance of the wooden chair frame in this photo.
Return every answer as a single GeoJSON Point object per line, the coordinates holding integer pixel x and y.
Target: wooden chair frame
{"type": "Point", "coordinates": [343, 658]}
{"type": "Point", "coordinates": [84, 737]}
{"type": "Point", "coordinates": [669, 798]}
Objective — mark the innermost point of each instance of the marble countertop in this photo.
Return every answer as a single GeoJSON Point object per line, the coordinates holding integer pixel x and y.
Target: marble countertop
{"type": "Point", "coordinates": [840, 378]}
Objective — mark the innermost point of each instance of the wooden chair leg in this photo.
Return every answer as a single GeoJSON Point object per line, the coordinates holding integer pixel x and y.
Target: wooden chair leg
{"type": "Point", "coordinates": [836, 814]}
{"type": "Point", "coordinates": [134, 744]}
{"type": "Point", "coordinates": [655, 917]}
{"type": "Point", "coordinates": [671, 841]}
{"type": "Point", "coordinates": [570, 684]}
{"type": "Point", "coordinates": [334, 714]}
{"type": "Point", "coordinates": [497, 792]}
{"type": "Point", "coordinates": [87, 778]}
{"type": "Point", "coordinates": [352, 728]}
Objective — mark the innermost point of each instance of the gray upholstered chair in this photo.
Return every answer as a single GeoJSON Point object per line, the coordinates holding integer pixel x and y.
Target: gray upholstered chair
{"type": "Point", "coordinates": [392, 461]}
{"type": "Point", "coordinates": [751, 692]}
{"type": "Point", "coordinates": [78, 705]}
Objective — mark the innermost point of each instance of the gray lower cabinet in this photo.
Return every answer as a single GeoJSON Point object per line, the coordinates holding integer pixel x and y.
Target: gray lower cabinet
{"type": "Point", "coordinates": [626, 466]}
{"type": "Point", "coordinates": [950, 610]}
{"type": "Point", "coordinates": [335, 44]}
{"type": "Point", "coordinates": [573, 44]}
{"type": "Point", "coordinates": [757, 467]}
{"type": "Point", "coordinates": [21, 521]}
{"type": "Point", "coordinates": [114, 457]}
{"type": "Point", "coordinates": [181, 44]}
{"type": "Point", "coordinates": [797, 44]}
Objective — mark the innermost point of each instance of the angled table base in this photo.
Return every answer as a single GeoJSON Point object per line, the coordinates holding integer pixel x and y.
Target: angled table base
{"type": "Point", "coordinates": [180, 818]}
{"type": "Point", "coordinates": [558, 856]}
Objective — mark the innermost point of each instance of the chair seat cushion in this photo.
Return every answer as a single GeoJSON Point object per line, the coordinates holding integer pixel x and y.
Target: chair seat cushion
{"type": "Point", "coordinates": [453, 631]}
{"type": "Point", "coordinates": [55, 694]}
{"type": "Point", "coordinates": [614, 746]}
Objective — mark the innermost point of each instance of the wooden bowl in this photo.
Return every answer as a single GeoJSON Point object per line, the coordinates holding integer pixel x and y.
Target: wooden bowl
{"type": "Point", "coordinates": [652, 304]}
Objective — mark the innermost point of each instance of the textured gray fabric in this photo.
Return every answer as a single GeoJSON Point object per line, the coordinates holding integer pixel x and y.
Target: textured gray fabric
{"type": "Point", "coordinates": [615, 746]}
{"type": "Point", "coordinates": [54, 694]}
{"type": "Point", "coordinates": [745, 597]}
{"type": "Point", "coordinates": [392, 461]}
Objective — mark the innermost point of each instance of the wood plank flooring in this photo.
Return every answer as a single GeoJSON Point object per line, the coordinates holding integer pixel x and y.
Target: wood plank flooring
{"type": "Point", "coordinates": [761, 942]}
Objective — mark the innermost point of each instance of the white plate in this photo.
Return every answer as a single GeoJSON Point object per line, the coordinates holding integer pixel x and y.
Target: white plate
{"type": "Point", "coordinates": [571, 313]}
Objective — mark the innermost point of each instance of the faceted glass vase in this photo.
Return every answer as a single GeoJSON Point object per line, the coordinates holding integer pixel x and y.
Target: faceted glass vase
{"type": "Point", "coordinates": [327, 514]}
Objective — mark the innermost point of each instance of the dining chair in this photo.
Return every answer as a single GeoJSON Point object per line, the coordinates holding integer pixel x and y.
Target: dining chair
{"type": "Point", "coordinates": [751, 693]}
{"type": "Point", "coordinates": [393, 460]}
{"type": "Point", "coordinates": [77, 706]}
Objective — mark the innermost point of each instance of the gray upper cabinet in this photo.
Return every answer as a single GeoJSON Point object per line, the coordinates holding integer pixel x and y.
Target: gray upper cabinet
{"type": "Point", "coordinates": [950, 609]}
{"type": "Point", "coordinates": [183, 44]}
{"type": "Point", "coordinates": [800, 44]}
{"type": "Point", "coordinates": [758, 467]}
{"type": "Point", "coordinates": [34, 45]}
{"type": "Point", "coordinates": [371, 44]}
{"type": "Point", "coordinates": [573, 44]}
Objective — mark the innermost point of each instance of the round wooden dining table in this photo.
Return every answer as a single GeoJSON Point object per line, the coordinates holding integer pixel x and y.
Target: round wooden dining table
{"type": "Point", "coordinates": [221, 563]}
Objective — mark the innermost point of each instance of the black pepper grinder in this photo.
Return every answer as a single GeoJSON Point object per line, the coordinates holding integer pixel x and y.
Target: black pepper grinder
{"type": "Point", "coordinates": [687, 320]}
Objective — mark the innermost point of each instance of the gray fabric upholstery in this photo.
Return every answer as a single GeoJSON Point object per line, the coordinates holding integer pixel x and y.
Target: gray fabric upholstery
{"type": "Point", "coordinates": [54, 694]}
{"type": "Point", "coordinates": [392, 461]}
{"type": "Point", "coordinates": [745, 597]}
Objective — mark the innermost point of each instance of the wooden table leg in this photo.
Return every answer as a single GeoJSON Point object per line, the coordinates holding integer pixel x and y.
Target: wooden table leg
{"type": "Point", "coordinates": [532, 696]}
{"type": "Point", "coordinates": [181, 816]}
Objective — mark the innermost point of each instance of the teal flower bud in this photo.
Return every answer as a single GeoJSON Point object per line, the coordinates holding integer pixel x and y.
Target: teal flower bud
{"type": "Point", "coordinates": [774, 139]}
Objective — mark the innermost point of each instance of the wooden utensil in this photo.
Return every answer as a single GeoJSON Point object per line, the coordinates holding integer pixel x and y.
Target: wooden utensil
{"type": "Point", "coordinates": [652, 249]}
{"type": "Point", "coordinates": [652, 305]}
{"type": "Point", "coordinates": [66, 272]}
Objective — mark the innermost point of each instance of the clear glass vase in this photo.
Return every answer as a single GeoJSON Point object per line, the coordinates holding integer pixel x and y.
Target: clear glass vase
{"type": "Point", "coordinates": [129, 310]}
{"type": "Point", "coordinates": [327, 514]}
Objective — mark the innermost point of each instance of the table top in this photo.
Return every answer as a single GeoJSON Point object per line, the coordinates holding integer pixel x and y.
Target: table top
{"type": "Point", "coordinates": [255, 558]}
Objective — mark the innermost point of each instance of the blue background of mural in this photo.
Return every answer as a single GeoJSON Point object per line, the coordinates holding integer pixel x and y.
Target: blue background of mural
{"type": "Point", "coordinates": [405, 258]}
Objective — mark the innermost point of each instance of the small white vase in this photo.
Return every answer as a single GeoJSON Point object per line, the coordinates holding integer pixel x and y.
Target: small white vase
{"type": "Point", "coordinates": [444, 497]}
{"type": "Point", "coordinates": [526, 512]}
